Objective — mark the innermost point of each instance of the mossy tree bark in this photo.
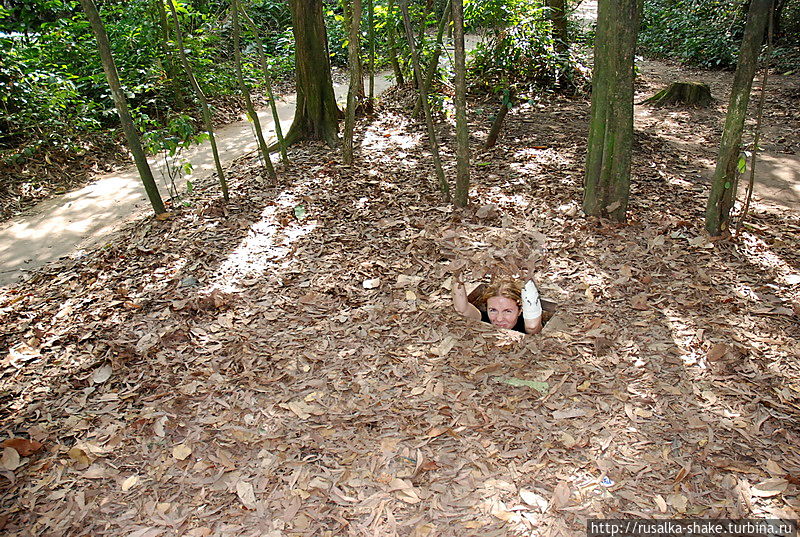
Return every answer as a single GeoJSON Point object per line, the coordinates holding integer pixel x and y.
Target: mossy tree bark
{"type": "Point", "coordinates": [608, 159]}
{"type": "Point", "coordinates": [207, 121]}
{"type": "Point", "coordinates": [461, 197]}
{"type": "Point", "coordinates": [131, 134]}
{"type": "Point", "coordinates": [353, 52]}
{"type": "Point", "coordinates": [691, 93]}
{"type": "Point", "coordinates": [723, 186]}
{"type": "Point", "coordinates": [316, 116]}
{"type": "Point", "coordinates": [248, 101]}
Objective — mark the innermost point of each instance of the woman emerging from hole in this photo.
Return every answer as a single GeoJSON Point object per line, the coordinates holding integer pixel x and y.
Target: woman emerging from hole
{"type": "Point", "coordinates": [508, 305]}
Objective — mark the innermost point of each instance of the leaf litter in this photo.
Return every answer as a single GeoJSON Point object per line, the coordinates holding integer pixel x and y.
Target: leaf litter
{"type": "Point", "coordinates": [313, 379]}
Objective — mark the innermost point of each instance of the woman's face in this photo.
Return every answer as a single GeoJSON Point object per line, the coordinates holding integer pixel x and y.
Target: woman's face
{"type": "Point", "coordinates": [502, 311]}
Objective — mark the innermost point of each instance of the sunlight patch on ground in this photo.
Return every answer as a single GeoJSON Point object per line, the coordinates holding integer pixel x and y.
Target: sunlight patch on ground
{"type": "Point", "coordinates": [759, 254]}
{"type": "Point", "coordinates": [266, 245]}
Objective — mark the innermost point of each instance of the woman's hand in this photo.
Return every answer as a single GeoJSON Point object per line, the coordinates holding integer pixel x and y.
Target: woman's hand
{"type": "Point", "coordinates": [531, 308]}
{"type": "Point", "coordinates": [460, 302]}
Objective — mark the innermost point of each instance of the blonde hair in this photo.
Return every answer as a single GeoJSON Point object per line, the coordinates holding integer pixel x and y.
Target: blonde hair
{"type": "Point", "coordinates": [506, 288]}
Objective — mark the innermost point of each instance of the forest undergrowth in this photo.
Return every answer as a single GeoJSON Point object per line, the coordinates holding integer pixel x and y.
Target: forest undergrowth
{"type": "Point", "coordinates": [290, 364]}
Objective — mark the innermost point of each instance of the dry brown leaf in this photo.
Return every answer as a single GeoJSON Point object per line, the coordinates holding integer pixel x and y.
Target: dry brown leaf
{"type": "Point", "coordinates": [10, 459]}
{"type": "Point", "coordinates": [129, 482]}
{"type": "Point", "coordinates": [770, 487]}
{"type": "Point", "coordinates": [23, 446]}
{"type": "Point", "coordinates": [246, 494]}
{"type": "Point", "coordinates": [561, 495]}
{"type": "Point", "coordinates": [181, 452]}
{"type": "Point", "coordinates": [101, 374]}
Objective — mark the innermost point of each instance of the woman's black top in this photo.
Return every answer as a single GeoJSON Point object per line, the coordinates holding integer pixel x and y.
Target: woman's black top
{"type": "Point", "coordinates": [519, 327]}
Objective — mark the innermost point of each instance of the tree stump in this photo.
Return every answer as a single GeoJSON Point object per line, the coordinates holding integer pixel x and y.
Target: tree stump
{"type": "Point", "coordinates": [691, 93]}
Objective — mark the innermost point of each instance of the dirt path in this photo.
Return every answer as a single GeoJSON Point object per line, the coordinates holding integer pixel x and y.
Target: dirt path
{"type": "Point", "coordinates": [68, 224]}
{"type": "Point", "coordinates": [65, 225]}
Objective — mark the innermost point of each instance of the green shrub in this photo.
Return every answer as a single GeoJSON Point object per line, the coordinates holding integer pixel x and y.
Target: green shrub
{"type": "Point", "coordinates": [705, 33]}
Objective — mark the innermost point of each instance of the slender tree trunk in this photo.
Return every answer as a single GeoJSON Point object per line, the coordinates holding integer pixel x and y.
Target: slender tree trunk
{"type": "Point", "coordinates": [348, 17]}
{"type": "Point", "coordinates": [131, 134]}
{"type": "Point", "coordinates": [437, 161]}
{"type": "Point", "coordinates": [608, 160]}
{"type": "Point", "coordinates": [437, 51]}
{"type": "Point", "coordinates": [248, 101]}
{"type": "Point", "coordinates": [423, 25]}
{"type": "Point", "coordinates": [462, 128]}
{"type": "Point", "coordinates": [759, 117]}
{"type": "Point", "coordinates": [316, 116]}
{"type": "Point", "coordinates": [371, 37]}
{"type": "Point", "coordinates": [353, 52]}
{"type": "Point", "coordinates": [203, 103]}
{"type": "Point", "coordinates": [723, 187]}
{"type": "Point", "coordinates": [497, 124]}
{"type": "Point", "coordinates": [398, 72]}
{"type": "Point", "coordinates": [172, 68]}
{"type": "Point", "coordinates": [558, 17]}
{"type": "Point", "coordinates": [262, 59]}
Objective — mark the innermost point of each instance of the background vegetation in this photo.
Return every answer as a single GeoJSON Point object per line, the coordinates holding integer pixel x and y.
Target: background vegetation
{"type": "Point", "coordinates": [53, 94]}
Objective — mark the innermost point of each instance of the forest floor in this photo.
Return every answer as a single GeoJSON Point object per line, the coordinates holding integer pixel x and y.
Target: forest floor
{"type": "Point", "coordinates": [289, 364]}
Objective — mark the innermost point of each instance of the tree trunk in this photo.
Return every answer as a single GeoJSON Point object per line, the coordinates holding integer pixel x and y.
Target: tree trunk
{"type": "Point", "coordinates": [262, 59]}
{"type": "Point", "coordinates": [316, 114]}
{"type": "Point", "coordinates": [723, 187]}
{"type": "Point", "coordinates": [437, 51]}
{"type": "Point", "coordinates": [444, 187]}
{"type": "Point", "coordinates": [398, 73]}
{"type": "Point", "coordinates": [371, 37]}
{"type": "Point", "coordinates": [558, 18]}
{"type": "Point", "coordinates": [171, 68]}
{"type": "Point", "coordinates": [131, 134]}
{"type": "Point", "coordinates": [248, 101]}
{"type": "Point", "coordinates": [353, 52]}
{"type": "Point", "coordinates": [462, 129]}
{"type": "Point", "coordinates": [348, 17]}
{"type": "Point", "coordinates": [497, 124]}
{"type": "Point", "coordinates": [203, 103]}
{"type": "Point", "coordinates": [608, 159]}
{"type": "Point", "coordinates": [692, 93]}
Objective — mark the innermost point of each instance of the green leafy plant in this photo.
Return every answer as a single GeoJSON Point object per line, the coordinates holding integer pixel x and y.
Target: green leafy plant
{"type": "Point", "coordinates": [169, 142]}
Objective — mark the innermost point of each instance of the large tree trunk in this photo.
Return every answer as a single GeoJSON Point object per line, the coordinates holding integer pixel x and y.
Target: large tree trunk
{"type": "Point", "coordinates": [462, 130]}
{"type": "Point", "coordinates": [316, 115]}
{"type": "Point", "coordinates": [723, 187]}
{"type": "Point", "coordinates": [353, 52]}
{"type": "Point", "coordinates": [248, 101]}
{"type": "Point", "coordinates": [131, 134]}
{"type": "Point", "coordinates": [608, 159]}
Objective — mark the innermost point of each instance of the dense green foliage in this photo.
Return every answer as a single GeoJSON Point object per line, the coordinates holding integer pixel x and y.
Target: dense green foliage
{"type": "Point", "coordinates": [707, 33]}
{"type": "Point", "coordinates": [519, 48]}
{"type": "Point", "coordinates": [53, 82]}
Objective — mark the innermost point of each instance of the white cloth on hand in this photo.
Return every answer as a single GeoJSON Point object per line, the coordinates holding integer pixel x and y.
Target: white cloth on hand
{"type": "Point", "coordinates": [531, 305]}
